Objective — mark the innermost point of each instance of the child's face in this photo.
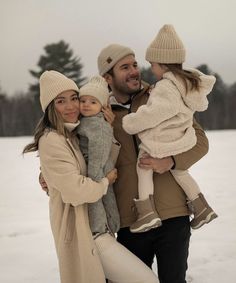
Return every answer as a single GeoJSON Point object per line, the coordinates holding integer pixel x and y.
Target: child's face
{"type": "Point", "coordinates": [157, 70]}
{"type": "Point", "coordinates": [89, 106]}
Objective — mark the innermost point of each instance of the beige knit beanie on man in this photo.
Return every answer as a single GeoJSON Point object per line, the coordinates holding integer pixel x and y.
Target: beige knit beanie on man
{"type": "Point", "coordinates": [96, 87]}
{"type": "Point", "coordinates": [110, 55]}
{"type": "Point", "coordinates": [166, 48]}
{"type": "Point", "coordinates": [51, 84]}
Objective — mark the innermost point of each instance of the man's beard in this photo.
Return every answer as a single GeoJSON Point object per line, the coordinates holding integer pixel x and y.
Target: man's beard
{"type": "Point", "coordinates": [123, 88]}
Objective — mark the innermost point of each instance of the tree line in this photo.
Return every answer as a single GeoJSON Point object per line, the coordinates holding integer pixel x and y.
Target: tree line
{"type": "Point", "coordinates": [20, 114]}
{"type": "Point", "coordinates": [221, 112]}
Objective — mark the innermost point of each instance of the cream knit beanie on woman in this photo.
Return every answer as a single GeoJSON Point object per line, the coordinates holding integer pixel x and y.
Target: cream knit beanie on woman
{"type": "Point", "coordinates": [96, 87]}
{"type": "Point", "coordinates": [166, 48]}
{"type": "Point", "coordinates": [110, 55]}
{"type": "Point", "coordinates": [51, 84]}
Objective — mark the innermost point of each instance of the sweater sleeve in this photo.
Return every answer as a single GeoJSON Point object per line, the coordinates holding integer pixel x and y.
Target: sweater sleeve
{"type": "Point", "coordinates": [162, 105]}
{"type": "Point", "coordinates": [61, 172]}
{"type": "Point", "coordinates": [185, 160]}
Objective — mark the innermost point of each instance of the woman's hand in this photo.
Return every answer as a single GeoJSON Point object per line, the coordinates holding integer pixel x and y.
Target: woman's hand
{"type": "Point", "coordinates": [43, 184]}
{"type": "Point", "coordinates": [112, 176]}
{"type": "Point", "coordinates": [108, 114]}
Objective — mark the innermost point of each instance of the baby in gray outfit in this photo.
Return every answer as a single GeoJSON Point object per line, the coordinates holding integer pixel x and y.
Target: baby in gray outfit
{"type": "Point", "coordinates": [96, 139]}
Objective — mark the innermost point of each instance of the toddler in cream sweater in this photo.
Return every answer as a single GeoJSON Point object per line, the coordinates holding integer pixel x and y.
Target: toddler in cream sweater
{"type": "Point", "coordinates": [164, 125]}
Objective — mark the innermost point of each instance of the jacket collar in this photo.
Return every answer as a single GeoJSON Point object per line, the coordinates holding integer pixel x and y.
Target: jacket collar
{"type": "Point", "coordinates": [144, 89]}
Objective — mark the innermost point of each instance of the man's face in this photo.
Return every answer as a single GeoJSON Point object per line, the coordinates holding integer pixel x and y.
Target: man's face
{"type": "Point", "coordinates": [126, 76]}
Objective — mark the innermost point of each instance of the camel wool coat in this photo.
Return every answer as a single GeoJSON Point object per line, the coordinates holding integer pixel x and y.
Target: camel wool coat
{"type": "Point", "coordinates": [63, 168]}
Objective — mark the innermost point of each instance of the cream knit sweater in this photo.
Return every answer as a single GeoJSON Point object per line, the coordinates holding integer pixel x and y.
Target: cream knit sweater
{"type": "Point", "coordinates": [164, 124]}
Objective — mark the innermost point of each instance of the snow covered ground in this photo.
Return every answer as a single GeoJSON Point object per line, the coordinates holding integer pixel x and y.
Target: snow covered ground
{"type": "Point", "coordinates": [27, 253]}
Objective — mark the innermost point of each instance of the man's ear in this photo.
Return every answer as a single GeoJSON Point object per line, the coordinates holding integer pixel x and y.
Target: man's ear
{"type": "Point", "coordinates": [107, 77]}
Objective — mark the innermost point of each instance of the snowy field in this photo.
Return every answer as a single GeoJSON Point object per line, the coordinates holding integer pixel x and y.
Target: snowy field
{"type": "Point", "coordinates": [27, 253]}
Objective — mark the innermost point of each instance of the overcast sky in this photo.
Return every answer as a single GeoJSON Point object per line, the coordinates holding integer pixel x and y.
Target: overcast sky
{"type": "Point", "coordinates": [207, 28]}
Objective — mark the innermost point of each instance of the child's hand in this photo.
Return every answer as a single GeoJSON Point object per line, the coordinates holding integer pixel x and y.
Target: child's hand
{"type": "Point", "coordinates": [108, 114]}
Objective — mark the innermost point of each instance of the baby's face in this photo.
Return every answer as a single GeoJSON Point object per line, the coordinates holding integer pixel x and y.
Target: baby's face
{"type": "Point", "coordinates": [89, 106]}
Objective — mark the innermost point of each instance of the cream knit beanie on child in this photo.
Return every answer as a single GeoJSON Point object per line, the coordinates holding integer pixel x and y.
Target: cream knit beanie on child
{"type": "Point", "coordinates": [166, 48]}
{"type": "Point", "coordinates": [96, 87]}
{"type": "Point", "coordinates": [51, 84]}
{"type": "Point", "coordinates": [110, 55]}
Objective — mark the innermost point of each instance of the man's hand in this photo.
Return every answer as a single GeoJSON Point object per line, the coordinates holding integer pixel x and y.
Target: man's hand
{"type": "Point", "coordinates": [43, 184]}
{"type": "Point", "coordinates": [108, 114]}
{"type": "Point", "coordinates": [159, 165]}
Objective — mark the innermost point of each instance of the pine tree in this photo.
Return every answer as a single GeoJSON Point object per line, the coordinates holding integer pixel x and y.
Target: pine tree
{"type": "Point", "coordinates": [215, 117]}
{"type": "Point", "coordinates": [58, 57]}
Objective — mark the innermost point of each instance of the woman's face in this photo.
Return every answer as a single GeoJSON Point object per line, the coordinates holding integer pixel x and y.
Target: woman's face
{"type": "Point", "coordinates": [67, 105]}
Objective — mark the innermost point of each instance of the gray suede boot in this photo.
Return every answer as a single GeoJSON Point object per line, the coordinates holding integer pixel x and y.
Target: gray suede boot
{"type": "Point", "coordinates": [202, 212]}
{"type": "Point", "coordinates": [148, 217]}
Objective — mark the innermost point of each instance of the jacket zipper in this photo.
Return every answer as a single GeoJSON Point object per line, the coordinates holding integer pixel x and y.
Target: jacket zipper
{"type": "Point", "coordinates": [136, 147]}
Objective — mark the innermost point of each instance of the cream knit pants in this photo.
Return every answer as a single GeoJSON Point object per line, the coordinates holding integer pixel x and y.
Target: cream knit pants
{"type": "Point", "coordinates": [182, 177]}
{"type": "Point", "coordinates": [120, 265]}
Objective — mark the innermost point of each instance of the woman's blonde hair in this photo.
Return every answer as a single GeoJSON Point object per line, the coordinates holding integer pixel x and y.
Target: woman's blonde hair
{"type": "Point", "coordinates": [191, 80]}
{"type": "Point", "coordinates": [51, 120]}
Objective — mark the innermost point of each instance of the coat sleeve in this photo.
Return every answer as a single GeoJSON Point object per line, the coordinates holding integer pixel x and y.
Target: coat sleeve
{"type": "Point", "coordinates": [185, 160]}
{"type": "Point", "coordinates": [162, 105]}
{"type": "Point", "coordinates": [61, 172]}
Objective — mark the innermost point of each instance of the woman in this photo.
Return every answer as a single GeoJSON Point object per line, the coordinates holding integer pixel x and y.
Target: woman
{"type": "Point", "coordinates": [63, 168]}
{"type": "Point", "coordinates": [61, 165]}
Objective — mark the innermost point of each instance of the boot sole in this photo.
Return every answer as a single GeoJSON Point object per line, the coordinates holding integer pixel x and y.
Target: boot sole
{"type": "Point", "coordinates": [147, 226]}
{"type": "Point", "coordinates": [208, 219]}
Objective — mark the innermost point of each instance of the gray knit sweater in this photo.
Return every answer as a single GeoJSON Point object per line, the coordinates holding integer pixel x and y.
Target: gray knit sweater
{"type": "Point", "coordinates": [96, 137]}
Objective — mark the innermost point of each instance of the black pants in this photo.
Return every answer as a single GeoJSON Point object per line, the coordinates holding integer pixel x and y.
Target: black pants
{"type": "Point", "coordinates": [169, 243]}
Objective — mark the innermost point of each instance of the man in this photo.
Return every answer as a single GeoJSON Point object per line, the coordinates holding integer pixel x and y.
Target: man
{"type": "Point", "coordinates": [170, 242]}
